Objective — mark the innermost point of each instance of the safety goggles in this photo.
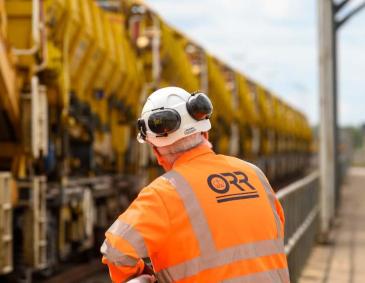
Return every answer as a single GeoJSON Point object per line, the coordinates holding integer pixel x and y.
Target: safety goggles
{"type": "Point", "coordinates": [164, 121]}
{"type": "Point", "coordinates": [161, 123]}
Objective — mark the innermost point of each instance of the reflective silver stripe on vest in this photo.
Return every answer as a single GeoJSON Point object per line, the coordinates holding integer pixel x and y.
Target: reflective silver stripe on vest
{"type": "Point", "coordinates": [116, 257]}
{"type": "Point", "coordinates": [194, 211]}
{"type": "Point", "coordinates": [271, 276]}
{"type": "Point", "coordinates": [132, 236]}
{"type": "Point", "coordinates": [224, 257]}
{"type": "Point", "coordinates": [270, 195]}
{"type": "Point", "coordinates": [210, 257]}
{"type": "Point", "coordinates": [164, 277]}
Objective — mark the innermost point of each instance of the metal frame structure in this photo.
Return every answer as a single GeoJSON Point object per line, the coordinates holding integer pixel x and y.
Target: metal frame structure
{"type": "Point", "coordinates": [33, 199]}
{"type": "Point", "coordinates": [329, 24]}
{"type": "Point", "coordinates": [300, 201]}
{"type": "Point", "coordinates": [6, 224]}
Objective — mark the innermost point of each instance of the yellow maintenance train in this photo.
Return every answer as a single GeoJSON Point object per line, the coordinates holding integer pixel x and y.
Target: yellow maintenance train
{"type": "Point", "coordinates": [73, 77]}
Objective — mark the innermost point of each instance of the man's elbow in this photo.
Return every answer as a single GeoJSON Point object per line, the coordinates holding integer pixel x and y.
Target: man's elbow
{"type": "Point", "coordinates": [121, 267]}
{"type": "Point", "coordinates": [123, 273]}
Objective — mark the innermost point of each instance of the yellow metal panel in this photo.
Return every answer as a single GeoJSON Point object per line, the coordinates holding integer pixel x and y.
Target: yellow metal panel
{"type": "Point", "coordinates": [218, 92]}
{"type": "Point", "coordinates": [95, 67]}
{"type": "Point", "coordinates": [9, 98]}
{"type": "Point", "coordinates": [278, 114]}
{"type": "Point", "coordinates": [128, 61]}
{"type": "Point", "coordinates": [20, 23]}
{"type": "Point", "coordinates": [249, 110]}
{"type": "Point", "coordinates": [81, 44]}
{"type": "Point", "coordinates": [56, 18]}
{"type": "Point", "coordinates": [102, 110]}
{"type": "Point", "coordinates": [177, 69]}
{"type": "Point", "coordinates": [266, 107]}
{"type": "Point", "coordinates": [3, 19]}
{"type": "Point", "coordinates": [73, 22]}
{"type": "Point", "coordinates": [19, 28]}
{"type": "Point", "coordinates": [134, 78]}
{"type": "Point", "coordinates": [118, 33]}
{"type": "Point", "coordinates": [109, 65]}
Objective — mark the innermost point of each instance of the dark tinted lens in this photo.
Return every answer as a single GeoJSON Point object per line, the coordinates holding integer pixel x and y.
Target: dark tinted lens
{"type": "Point", "coordinates": [164, 122]}
{"type": "Point", "coordinates": [141, 125]}
{"type": "Point", "coordinates": [199, 106]}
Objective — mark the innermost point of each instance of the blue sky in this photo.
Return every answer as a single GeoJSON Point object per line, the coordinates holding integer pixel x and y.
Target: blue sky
{"type": "Point", "coordinates": [275, 43]}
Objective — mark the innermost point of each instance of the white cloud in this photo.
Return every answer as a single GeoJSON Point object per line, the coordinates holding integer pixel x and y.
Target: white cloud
{"type": "Point", "coordinates": [277, 9]}
{"type": "Point", "coordinates": [273, 41]}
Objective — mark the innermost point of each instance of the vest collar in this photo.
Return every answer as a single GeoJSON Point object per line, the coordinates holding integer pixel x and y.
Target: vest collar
{"type": "Point", "coordinates": [193, 153]}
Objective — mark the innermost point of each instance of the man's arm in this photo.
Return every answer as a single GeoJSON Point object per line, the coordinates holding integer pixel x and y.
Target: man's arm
{"type": "Point", "coordinates": [272, 197]}
{"type": "Point", "coordinates": [281, 214]}
{"type": "Point", "coordinates": [136, 234]}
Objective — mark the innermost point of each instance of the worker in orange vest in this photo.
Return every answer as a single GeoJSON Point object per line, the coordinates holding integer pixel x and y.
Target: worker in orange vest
{"type": "Point", "coordinates": [209, 218]}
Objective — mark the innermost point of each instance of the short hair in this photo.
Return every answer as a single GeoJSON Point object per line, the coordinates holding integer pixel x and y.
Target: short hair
{"type": "Point", "coordinates": [182, 145]}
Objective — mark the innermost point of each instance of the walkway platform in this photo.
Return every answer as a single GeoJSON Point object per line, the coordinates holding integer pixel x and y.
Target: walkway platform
{"type": "Point", "coordinates": [343, 261]}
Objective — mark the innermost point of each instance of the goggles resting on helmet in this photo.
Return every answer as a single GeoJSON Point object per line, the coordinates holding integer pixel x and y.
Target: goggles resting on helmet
{"type": "Point", "coordinates": [164, 121]}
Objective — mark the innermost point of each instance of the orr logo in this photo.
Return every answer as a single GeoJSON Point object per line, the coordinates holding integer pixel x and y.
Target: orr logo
{"type": "Point", "coordinates": [231, 186]}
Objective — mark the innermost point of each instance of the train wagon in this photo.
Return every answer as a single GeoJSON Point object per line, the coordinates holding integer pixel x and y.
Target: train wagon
{"type": "Point", "coordinates": [73, 77]}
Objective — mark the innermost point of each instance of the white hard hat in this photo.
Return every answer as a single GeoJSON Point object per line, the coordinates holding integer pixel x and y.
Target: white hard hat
{"type": "Point", "coordinates": [172, 113]}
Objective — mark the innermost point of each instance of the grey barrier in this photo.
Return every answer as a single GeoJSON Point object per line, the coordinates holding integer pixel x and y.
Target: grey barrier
{"type": "Point", "coordinates": [300, 201]}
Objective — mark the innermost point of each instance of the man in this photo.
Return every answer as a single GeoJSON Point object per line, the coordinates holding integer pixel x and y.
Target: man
{"type": "Point", "coordinates": [210, 218]}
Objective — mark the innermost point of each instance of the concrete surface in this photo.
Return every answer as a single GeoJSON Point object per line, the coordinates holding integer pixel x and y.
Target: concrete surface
{"type": "Point", "coordinates": [343, 261]}
{"type": "Point", "coordinates": [359, 157]}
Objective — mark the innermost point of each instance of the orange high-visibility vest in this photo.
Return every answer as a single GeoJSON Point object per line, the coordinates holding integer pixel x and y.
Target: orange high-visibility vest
{"type": "Point", "coordinates": [212, 218]}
